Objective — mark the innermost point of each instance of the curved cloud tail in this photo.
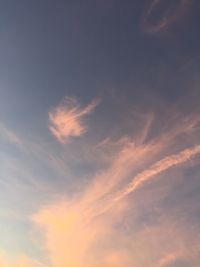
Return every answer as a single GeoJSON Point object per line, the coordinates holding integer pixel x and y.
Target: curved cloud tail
{"type": "Point", "coordinates": [157, 168]}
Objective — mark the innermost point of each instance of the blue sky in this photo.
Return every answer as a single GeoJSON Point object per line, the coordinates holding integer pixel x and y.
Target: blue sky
{"type": "Point", "coordinates": [99, 133]}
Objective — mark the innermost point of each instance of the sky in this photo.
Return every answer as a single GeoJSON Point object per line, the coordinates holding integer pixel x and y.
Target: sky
{"type": "Point", "coordinates": [99, 133]}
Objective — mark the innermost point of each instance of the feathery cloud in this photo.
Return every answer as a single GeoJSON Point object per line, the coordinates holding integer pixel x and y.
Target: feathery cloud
{"type": "Point", "coordinates": [159, 167]}
{"type": "Point", "coordinates": [10, 136]}
{"type": "Point", "coordinates": [86, 231]}
{"type": "Point", "coordinates": [66, 120]}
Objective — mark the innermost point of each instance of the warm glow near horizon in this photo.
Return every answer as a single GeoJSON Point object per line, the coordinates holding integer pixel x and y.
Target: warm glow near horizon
{"type": "Point", "coordinates": [99, 133]}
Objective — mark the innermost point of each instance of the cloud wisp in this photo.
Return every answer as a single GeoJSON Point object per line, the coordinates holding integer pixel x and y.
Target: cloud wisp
{"type": "Point", "coordinates": [89, 230]}
{"type": "Point", "coordinates": [159, 167]}
{"type": "Point", "coordinates": [9, 136]}
{"type": "Point", "coordinates": [160, 14]}
{"type": "Point", "coordinates": [66, 120]}
{"type": "Point", "coordinates": [151, 172]}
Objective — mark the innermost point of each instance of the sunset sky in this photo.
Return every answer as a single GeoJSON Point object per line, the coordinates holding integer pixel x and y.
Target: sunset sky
{"type": "Point", "coordinates": [100, 133]}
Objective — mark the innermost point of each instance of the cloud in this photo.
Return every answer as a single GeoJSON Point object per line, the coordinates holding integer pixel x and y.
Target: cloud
{"type": "Point", "coordinates": [10, 136]}
{"type": "Point", "coordinates": [159, 167]}
{"type": "Point", "coordinates": [165, 242]}
{"type": "Point", "coordinates": [66, 120]}
{"type": "Point", "coordinates": [160, 14]}
{"type": "Point", "coordinates": [99, 227]}
{"type": "Point", "coordinates": [20, 261]}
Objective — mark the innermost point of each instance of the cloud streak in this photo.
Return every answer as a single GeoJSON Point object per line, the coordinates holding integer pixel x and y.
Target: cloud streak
{"type": "Point", "coordinates": [66, 120]}
{"type": "Point", "coordinates": [9, 136]}
{"type": "Point", "coordinates": [159, 167]}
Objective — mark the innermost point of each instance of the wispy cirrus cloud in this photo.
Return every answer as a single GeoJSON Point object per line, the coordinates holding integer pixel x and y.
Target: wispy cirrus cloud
{"type": "Point", "coordinates": [66, 120]}
{"type": "Point", "coordinates": [159, 14]}
{"type": "Point", "coordinates": [11, 137]}
{"type": "Point", "coordinates": [96, 229]}
{"type": "Point", "coordinates": [98, 226]}
{"type": "Point", "coordinates": [160, 167]}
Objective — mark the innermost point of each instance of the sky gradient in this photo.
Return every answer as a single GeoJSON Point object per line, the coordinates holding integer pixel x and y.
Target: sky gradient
{"type": "Point", "coordinates": [100, 133]}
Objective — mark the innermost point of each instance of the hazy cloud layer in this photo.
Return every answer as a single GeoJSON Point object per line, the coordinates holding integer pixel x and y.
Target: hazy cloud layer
{"type": "Point", "coordinates": [21, 261]}
{"type": "Point", "coordinates": [98, 227]}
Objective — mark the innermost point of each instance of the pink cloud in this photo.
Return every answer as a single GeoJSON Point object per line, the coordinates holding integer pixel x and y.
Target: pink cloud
{"type": "Point", "coordinates": [66, 120]}
{"type": "Point", "coordinates": [82, 232]}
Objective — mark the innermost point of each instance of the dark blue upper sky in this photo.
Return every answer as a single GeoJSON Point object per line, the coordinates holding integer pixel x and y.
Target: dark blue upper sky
{"type": "Point", "coordinates": [50, 49]}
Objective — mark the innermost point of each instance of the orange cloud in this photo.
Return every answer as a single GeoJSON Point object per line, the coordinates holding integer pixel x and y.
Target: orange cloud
{"type": "Point", "coordinates": [74, 233]}
{"type": "Point", "coordinates": [66, 120]}
{"type": "Point", "coordinates": [85, 231]}
{"type": "Point", "coordinates": [159, 167]}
